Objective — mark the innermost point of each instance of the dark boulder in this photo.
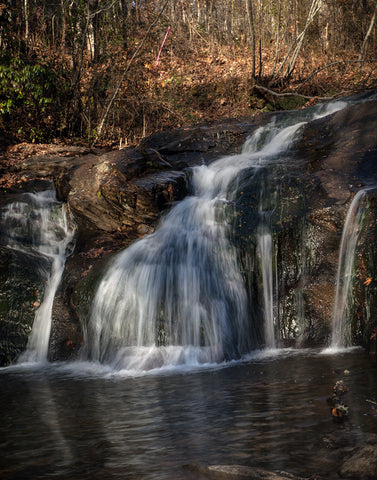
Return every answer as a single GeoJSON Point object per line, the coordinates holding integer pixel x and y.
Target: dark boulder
{"type": "Point", "coordinates": [123, 190]}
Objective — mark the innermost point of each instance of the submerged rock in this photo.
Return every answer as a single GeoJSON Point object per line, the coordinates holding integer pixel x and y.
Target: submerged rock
{"type": "Point", "coordinates": [239, 472]}
{"type": "Point", "coordinates": [362, 464]}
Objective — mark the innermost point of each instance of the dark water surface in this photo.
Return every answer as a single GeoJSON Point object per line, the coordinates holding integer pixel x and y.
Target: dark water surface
{"type": "Point", "coordinates": [79, 422]}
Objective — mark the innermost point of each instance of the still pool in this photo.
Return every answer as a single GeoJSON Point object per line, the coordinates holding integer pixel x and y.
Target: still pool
{"type": "Point", "coordinates": [80, 421]}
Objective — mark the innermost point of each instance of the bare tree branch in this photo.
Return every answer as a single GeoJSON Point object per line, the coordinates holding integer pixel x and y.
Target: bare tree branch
{"type": "Point", "coordinates": [289, 94]}
{"type": "Point", "coordinates": [314, 9]}
{"type": "Point", "coordinates": [373, 19]}
{"type": "Point", "coordinates": [372, 60]}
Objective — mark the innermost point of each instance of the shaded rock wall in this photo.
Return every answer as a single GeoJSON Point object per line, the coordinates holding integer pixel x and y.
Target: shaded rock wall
{"type": "Point", "coordinates": [21, 291]}
{"type": "Point", "coordinates": [310, 190]}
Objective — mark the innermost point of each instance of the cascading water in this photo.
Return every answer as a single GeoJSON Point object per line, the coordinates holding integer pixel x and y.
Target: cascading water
{"type": "Point", "coordinates": [177, 296]}
{"type": "Point", "coordinates": [178, 289]}
{"type": "Point", "coordinates": [37, 225]}
{"type": "Point", "coordinates": [299, 296]}
{"type": "Point", "coordinates": [265, 249]}
{"type": "Point", "coordinates": [351, 230]}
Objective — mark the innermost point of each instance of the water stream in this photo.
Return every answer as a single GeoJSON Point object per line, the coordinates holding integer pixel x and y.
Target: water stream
{"type": "Point", "coordinates": [37, 225]}
{"type": "Point", "coordinates": [76, 422]}
{"type": "Point", "coordinates": [265, 249]}
{"type": "Point", "coordinates": [177, 296]}
{"type": "Point", "coordinates": [350, 234]}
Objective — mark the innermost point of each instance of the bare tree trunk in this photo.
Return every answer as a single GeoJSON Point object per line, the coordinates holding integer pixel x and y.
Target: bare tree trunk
{"type": "Point", "coordinates": [261, 38]}
{"type": "Point", "coordinates": [232, 19]}
{"type": "Point", "coordinates": [367, 35]}
{"type": "Point", "coordinates": [250, 17]}
{"type": "Point", "coordinates": [82, 48]}
{"type": "Point", "coordinates": [26, 11]}
{"type": "Point", "coordinates": [260, 73]}
{"type": "Point", "coordinates": [314, 9]}
{"type": "Point", "coordinates": [210, 15]}
{"type": "Point", "coordinates": [64, 24]}
{"type": "Point", "coordinates": [277, 41]}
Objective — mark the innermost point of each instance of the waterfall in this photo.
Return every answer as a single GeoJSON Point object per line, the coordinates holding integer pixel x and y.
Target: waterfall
{"type": "Point", "coordinates": [265, 249]}
{"type": "Point", "coordinates": [267, 203]}
{"type": "Point", "coordinates": [351, 230]}
{"type": "Point", "coordinates": [177, 296]}
{"type": "Point", "coordinates": [37, 225]}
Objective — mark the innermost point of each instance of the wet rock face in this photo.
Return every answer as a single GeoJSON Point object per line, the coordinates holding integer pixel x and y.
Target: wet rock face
{"type": "Point", "coordinates": [364, 306]}
{"type": "Point", "coordinates": [308, 194]}
{"type": "Point", "coordinates": [190, 146]}
{"type": "Point", "coordinates": [21, 292]}
{"type": "Point", "coordinates": [125, 191]}
{"type": "Point", "coordinates": [113, 198]}
{"type": "Point", "coordinates": [341, 150]}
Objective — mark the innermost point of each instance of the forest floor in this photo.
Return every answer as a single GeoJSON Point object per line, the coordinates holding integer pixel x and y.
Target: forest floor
{"type": "Point", "coordinates": [198, 86]}
{"type": "Point", "coordinates": [202, 85]}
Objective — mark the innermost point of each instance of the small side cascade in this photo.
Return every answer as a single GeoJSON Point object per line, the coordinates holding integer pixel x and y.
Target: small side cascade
{"type": "Point", "coordinates": [304, 256]}
{"type": "Point", "coordinates": [266, 255]}
{"type": "Point", "coordinates": [340, 337]}
{"type": "Point", "coordinates": [37, 225]}
{"type": "Point", "coordinates": [265, 248]}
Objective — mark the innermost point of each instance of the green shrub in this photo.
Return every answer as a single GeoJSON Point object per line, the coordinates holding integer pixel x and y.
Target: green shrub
{"type": "Point", "coordinates": [30, 99]}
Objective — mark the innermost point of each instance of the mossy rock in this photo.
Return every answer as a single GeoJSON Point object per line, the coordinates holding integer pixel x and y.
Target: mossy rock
{"type": "Point", "coordinates": [22, 282]}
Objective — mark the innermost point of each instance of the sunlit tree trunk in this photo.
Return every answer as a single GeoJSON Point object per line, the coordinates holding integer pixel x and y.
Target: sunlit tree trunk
{"type": "Point", "coordinates": [250, 17]}
{"type": "Point", "coordinates": [64, 24]}
{"type": "Point", "coordinates": [26, 13]}
{"type": "Point", "coordinates": [277, 46]}
{"type": "Point", "coordinates": [367, 35]}
{"type": "Point", "coordinates": [314, 9]}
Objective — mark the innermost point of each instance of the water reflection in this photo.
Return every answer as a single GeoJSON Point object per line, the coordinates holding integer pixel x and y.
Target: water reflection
{"type": "Point", "coordinates": [270, 413]}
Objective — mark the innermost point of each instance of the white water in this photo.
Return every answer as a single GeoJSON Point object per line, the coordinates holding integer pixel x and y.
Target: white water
{"type": "Point", "coordinates": [177, 297]}
{"type": "Point", "coordinates": [265, 249]}
{"type": "Point", "coordinates": [351, 230]}
{"type": "Point", "coordinates": [37, 225]}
